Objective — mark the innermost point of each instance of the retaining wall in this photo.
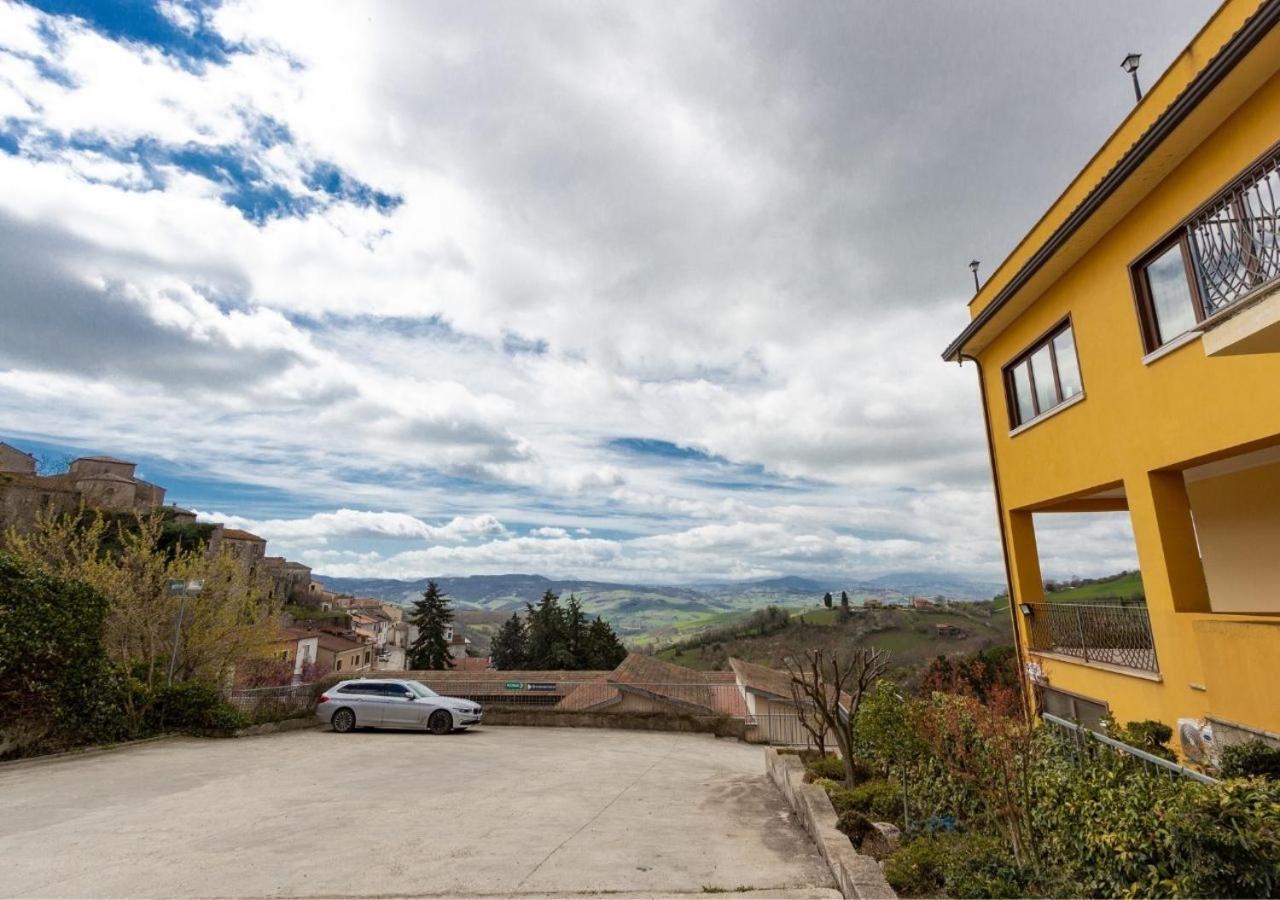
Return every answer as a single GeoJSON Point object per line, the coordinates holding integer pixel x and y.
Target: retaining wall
{"type": "Point", "coordinates": [855, 874]}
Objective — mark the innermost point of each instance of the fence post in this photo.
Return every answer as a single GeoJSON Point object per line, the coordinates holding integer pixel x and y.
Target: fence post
{"type": "Point", "coordinates": [1084, 648]}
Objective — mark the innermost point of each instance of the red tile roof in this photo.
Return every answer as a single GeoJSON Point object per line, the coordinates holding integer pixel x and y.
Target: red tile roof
{"type": "Point", "coordinates": [761, 679]}
{"type": "Point", "coordinates": [237, 534]}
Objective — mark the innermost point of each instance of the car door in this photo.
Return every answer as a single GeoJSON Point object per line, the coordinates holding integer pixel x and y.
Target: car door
{"type": "Point", "coordinates": [399, 711]}
{"type": "Point", "coordinates": [364, 702]}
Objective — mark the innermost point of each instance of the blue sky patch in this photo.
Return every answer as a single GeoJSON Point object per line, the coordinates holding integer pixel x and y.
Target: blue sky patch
{"type": "Point", "coordinates": [142, 22]}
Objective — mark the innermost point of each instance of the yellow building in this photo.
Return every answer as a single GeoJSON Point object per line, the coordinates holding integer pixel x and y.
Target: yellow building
{"type": "Point", "coordinates": [1128, 353]}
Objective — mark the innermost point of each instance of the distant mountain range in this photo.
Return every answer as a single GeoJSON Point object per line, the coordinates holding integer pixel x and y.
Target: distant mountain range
{"type": "Point", "coordinates": [638, 609]}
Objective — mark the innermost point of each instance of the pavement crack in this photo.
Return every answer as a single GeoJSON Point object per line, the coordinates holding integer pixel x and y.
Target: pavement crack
{"type": "Point", "coordinates": [598, 814]}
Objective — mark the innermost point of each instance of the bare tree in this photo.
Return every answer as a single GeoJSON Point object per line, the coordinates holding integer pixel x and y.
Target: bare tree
{"type": "Point", "coordinates": [808, 715]}
{"type": "Point", "coordinates": [832, 686]}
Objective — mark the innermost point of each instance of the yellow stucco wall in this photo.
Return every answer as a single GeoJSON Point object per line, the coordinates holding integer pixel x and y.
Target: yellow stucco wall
{"type": "Point", "coordinates": [1237, 518]}
{"type": "Point", "coordinates": [1137, 424]}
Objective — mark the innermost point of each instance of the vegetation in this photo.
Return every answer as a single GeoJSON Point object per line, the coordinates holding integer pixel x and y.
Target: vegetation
{"type": "Point", "coordinates": [1123, 588]}
{"type": "Point", "coordinates": [1252, 759]}
{"type": "Point", "coordinates": [992, 806]}
{"type": "Point", "coordinates": [431, 616]}
{"type": "Point", "coordinates": [830, 687]}
{"type": "Point", "coordinates": [94, 644]}
{"type": "Point", "coordinates": [552, 636]}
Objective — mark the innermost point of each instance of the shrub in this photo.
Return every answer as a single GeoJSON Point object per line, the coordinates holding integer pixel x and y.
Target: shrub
{"type": "Point", "coordinates": [194, 707]}
{"type": "Point", "coordinates": [855, 826]}
{"type": "Point", "coordinates": [832, 767]}
{"type": "Point", "coordinates": [878, 798]}
{"type": "Point", "coordinates": [1148, 735]}
{"type": "Point", "coordinates": [918, 868]}
{"type": "Point", "coordinates": [1251, 759]}
{"type": "Point", "coordinates": [977, 865]}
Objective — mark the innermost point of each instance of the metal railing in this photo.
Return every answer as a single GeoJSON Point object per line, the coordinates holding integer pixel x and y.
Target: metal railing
{"type": "Point", "coordinates": [1095, 632]}
{"type": "Point", "coordinates": [1235, 243]}
{"type": "Point", "coordinates": [281, 701]}
{"type": "Point", "coordinates": [1082, 740]}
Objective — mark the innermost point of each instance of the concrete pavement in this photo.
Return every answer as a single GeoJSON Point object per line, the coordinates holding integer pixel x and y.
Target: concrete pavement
{"type": "Point", "coordinates": [495, 811]}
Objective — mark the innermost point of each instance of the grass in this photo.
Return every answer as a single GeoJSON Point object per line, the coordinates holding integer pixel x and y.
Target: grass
{"type": "Point", "coordinates": [1127, 586]}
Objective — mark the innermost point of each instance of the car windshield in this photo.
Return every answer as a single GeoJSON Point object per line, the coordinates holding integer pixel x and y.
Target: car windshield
{"type": "Point", "coordinates": [420, 689]}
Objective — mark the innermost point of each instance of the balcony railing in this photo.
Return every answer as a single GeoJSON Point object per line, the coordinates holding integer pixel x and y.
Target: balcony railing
{"type": "Point", "coordinates": [1095, 632]}
{"type": "Point", "coordinates": [1236, 241]}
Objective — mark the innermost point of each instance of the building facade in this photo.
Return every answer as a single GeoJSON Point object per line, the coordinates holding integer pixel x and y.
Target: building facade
{"type": "Point", "coordinates": [1128, 353]}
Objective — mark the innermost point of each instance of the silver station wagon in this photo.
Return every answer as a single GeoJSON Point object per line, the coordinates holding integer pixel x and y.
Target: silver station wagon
{"type": "Point", "coordinates": [393, 703]}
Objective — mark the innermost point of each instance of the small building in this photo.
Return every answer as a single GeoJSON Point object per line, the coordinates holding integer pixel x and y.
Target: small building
{"type": "Point", "coordinates": [15, 461]}
{"type": "Point", "coordinates": [342, 655]}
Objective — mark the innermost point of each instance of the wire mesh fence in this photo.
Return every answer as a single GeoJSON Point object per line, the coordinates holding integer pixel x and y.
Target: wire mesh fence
{"type": "Point", "coordinates": [279, 702]}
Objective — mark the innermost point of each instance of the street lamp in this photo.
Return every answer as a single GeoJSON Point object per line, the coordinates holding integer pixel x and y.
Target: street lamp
{"type": "Point", "coordinates": [184, 589]}
{"type": "Point", "coordinates": [973, 267]}
{"type": "Point", "coordinates": [1130, 65]}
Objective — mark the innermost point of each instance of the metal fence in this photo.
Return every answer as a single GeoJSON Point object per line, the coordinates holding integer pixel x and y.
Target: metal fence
{"type": "Point", "coordinates": [1083, 741]}
{"type": "Point", "coordinates": [693, 698]}
{"type": "Point", "coordinates": [1095, 632]}
{"type": "Point", "coordinates": [280, 702]}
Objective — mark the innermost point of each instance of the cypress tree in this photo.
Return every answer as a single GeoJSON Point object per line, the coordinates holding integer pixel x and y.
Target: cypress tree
{"type": "Point", "coordinates": [826, 599]}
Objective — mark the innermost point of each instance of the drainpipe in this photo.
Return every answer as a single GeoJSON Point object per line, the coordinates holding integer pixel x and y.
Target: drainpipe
{"type": "Point", "coordinates": [1004, 536]}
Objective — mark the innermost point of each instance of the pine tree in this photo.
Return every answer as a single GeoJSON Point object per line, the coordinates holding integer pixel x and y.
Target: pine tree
{"type": "Point", "coordinates": [510, 645]}
{"type": "Point", "coordinates": [576, 626]}
{"type": "Point", "coordinates": [826, 599]}
{"type": "Point", "coordinates": [604, 650]}
{"type": "Point", "coordinates": [431, 615]}
{"type": "Point", "coordinates": [548, 634]}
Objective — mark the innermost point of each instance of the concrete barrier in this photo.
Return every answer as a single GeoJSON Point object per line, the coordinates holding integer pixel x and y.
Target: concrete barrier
{"type": "Point", "coordinates": [855, 874]}
{"type": "Point", "coordinates": [722, 726]}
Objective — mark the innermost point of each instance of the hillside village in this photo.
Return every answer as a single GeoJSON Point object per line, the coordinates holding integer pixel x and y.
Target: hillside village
{"type": "Point", "coordinates": [322, 631]}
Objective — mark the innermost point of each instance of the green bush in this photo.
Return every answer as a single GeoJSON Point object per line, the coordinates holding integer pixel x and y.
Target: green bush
{"type": "Point", "coordinates": [57, 687]}
{"type": "Point", "coordinates": [1148, 735]}
{"type": "Point", "coordinates": [918, 869]}
{"type": "Point", "coordinates": [1251, 759]}
{"type": "Point", "coordinates": [194, 707]}
{"type": "Point", "coordinates": [854, 825]}
{"type": "Point", "coordinates": [832, 767]}
{"type": "Point", "coordinates": [981, 866]}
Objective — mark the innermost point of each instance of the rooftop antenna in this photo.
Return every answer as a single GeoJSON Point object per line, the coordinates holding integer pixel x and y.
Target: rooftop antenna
{"type": "Point", "coordinates": [973, 267]}
{"type": "Point", "coordinates": [1130, 65]}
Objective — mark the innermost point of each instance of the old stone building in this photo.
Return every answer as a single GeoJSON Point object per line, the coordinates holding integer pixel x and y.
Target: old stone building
{"type": "Point", "coordinates": [14, 461]}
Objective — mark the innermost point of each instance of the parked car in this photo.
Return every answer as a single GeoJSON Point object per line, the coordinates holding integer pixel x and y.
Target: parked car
{"type": "Point", "coordinates": [394, 703]}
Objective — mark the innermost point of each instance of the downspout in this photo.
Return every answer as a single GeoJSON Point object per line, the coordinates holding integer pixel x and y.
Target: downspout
{"type": "Point", "coordinates": [1004, 535]}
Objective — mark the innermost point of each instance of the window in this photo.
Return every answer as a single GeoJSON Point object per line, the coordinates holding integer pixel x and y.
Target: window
{"type": "Point", "coordinates": [1044, 376]}
{"type": "Point", "coordinates": [1167, 293]}
{"type": "Point", "coordinates": [1222, 254]}
{"type": "Point", "coordinates": [1074, 708]}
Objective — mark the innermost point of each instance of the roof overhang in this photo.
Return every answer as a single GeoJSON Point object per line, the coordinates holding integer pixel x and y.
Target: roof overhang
{"type": "Point", "coordinates": [1247, 59]}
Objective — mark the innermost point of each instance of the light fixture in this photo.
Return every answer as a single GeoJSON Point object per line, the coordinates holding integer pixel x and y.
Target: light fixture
{"type": "Point", "coordinates": [973, 267]}
{"type": "Point", "coordinates": [1130, 65]}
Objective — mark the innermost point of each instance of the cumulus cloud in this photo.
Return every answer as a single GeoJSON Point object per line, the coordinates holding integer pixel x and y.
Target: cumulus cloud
{"type": "Point", "coordinates": [236, 243]}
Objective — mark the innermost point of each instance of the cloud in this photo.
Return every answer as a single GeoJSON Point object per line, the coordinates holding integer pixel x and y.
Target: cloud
{"type": "Point", "coordinates": [673, 284]}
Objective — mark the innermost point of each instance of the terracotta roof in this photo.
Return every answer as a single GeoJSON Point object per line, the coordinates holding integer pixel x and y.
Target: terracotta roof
{"type": "Point", "coordinates": [458, 639]}
{"type": "Point", "coordinates": [471, 664]}
{"type": "Point", "coordinates": [337, 644]}
{"type": "Point", "coordinates": [650, 675]}
{"type": "Point", "coordinates": [761, 679]}
{"type": "Point", "coordinates": [106, 459]}
{"type": "Point", "coordinates": [236, 534]}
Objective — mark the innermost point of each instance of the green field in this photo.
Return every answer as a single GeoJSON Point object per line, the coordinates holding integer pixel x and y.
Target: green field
{"type": "Point", "coordinates": [1124, 587]}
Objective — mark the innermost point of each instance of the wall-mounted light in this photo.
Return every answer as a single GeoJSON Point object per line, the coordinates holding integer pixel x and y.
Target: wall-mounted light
{"type": "Point", "coordinates": [1025, 608]}
{"type": "Point", "coordinates": [1130, 65]}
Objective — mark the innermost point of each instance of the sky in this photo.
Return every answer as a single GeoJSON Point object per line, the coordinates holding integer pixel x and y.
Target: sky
{"type": "Point", "coordinates": [616, 290]}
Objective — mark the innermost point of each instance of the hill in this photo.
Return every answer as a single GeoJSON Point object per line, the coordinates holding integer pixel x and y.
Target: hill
{"type": "Point", "coordinates": [911, 635]}
{"type": "Point", "coordinates": [647, 614]}
{"type": "Point", "coordinates": [1123, 588]}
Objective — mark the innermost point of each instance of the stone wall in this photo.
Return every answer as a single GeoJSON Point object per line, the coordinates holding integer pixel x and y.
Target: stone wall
{"type": "Point", "coordinates": [637, 721]}
{"type": "Point", "coordinates": [855, 874]}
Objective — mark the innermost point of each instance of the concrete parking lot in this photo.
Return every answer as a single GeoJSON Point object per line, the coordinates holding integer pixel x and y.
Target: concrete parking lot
{"type": "Point", "coordinates": [495, 811]}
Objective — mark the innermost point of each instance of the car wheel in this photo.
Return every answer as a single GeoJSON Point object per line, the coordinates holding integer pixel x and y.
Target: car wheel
{"type": "Point", "coordinates": [440, 722]}
{"type": "Point", "coordinates": [343, 720]}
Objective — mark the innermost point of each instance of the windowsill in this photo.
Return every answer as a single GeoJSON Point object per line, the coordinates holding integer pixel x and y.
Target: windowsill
{"type": "Point", "coordinates": [1106, 667]}
{"type": "Point", "coordinates": [1177, 343]}
{"type": "Point", "coordinates": [1031, 423]}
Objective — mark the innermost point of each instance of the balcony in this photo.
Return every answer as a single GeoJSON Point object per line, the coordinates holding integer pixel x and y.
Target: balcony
{"type": "Point", "coordinates": [1111, 634]}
